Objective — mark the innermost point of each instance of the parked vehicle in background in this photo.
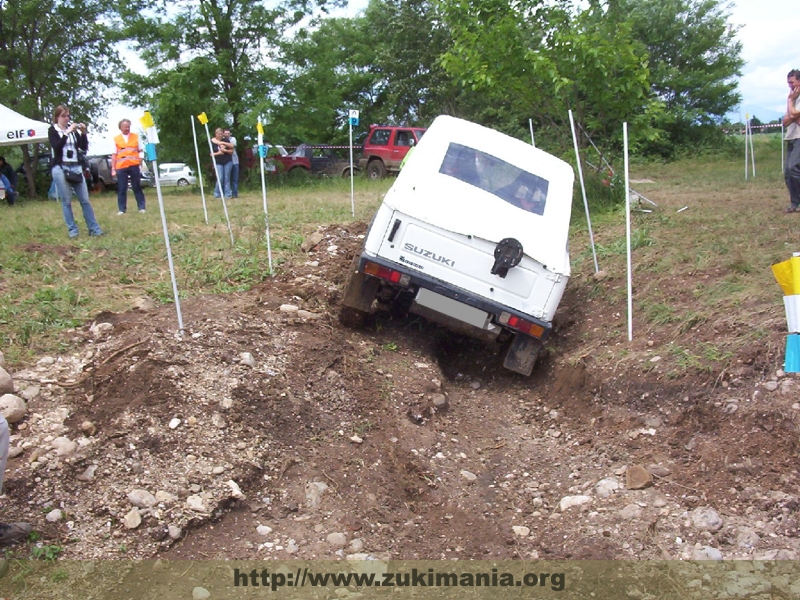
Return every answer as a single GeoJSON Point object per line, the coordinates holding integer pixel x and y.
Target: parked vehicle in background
{"type": "Point", "coordinates": [473, 236]}
{"type": "Point", "coordinates": [176, 174]}
{"type": "Point", "coordinates": [310, 160]}
{"type": "Point", "coordinates": [325, 160]}
{"type": "Point", "coordinates": [280, 161]}
{"type": "Point", "coordinates": [101, 178]}
{"type": "Point", "coordinates": [385, 147]}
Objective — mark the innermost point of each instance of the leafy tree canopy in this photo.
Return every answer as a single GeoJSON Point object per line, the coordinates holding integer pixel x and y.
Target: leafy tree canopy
{"type": "Point", "coordinates": [57, 52]}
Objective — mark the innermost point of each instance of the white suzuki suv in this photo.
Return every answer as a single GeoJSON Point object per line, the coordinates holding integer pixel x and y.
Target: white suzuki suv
{"type": "Point", "coordinates": [473, 235]}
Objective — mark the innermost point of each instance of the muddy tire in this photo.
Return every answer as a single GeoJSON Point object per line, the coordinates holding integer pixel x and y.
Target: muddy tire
{"type": "Point", "coordinates": [359, 292]}
{"type": "Point", "coordinates": [376, 170]}
{"type": "Point", "coordinates": [522, 354]}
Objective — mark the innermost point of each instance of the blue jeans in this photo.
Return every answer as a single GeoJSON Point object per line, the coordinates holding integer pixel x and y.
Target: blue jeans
{"type": "Point", "coordinates": [235, 180]}
{"type": "Point", "coordinates": [133, 173]}
{"type": "Point", "coordinates": [9, 189]}
{"type": "Point", "coordinates": [65, 190]}
{"type": "Point", "coordinates": [224, 179]}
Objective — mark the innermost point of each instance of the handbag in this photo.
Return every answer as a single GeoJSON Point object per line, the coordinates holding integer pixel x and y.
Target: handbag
{"type": "Point", "coordinates": [72, 176]}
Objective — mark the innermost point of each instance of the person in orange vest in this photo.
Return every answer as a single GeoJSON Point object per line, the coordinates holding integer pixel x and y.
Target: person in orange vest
{"type": "Point", "coordinates": [125, 166]}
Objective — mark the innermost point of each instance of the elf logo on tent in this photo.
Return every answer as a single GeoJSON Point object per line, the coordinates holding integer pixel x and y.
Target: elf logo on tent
{"type": "Point", "coordinates": [428, 254]}
{"type": "Point", "coordinates": [20, 133]}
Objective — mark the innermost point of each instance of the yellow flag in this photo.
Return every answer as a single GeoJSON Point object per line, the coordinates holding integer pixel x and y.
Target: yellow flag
{"type": "Point", "coordinates": [147, 120]}
{"type": "Point", "coordinates": [260, 128]}
{"type": "Point", "coordinates": [787, 273]}
{"type": "Point", "coordinates": [202, 118]}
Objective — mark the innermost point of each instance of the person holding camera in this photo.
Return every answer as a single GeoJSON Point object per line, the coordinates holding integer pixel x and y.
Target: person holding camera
{"type": "Point", "coordinates": [68, 146]}
{"type": "Point", "coordinates": [125, 164]}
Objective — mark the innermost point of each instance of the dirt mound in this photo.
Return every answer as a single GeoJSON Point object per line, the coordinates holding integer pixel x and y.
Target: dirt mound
{"type": "Point", "coordinates": [269, 430]}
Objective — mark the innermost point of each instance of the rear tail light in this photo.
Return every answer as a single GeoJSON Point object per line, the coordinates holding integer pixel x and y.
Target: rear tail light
{"type": "Point", "coordinates": [520, 324]}
{"type": "Point", "coordinates": [376, 270]}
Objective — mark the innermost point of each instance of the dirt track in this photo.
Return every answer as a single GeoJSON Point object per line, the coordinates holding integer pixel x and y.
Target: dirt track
{"type": "Point", "coordinates": [404, 440]}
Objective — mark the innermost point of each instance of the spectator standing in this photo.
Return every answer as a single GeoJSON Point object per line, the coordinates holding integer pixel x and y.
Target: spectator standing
{"type": "Point", "coordinates": [125, 164]}
{"type": "Point", "coordinates": [791, 122]}
{"type": "Point", "coordinates": [9, 178]}
{"type": "Point", "coordinates": [234, 164]}
{"type": "Point", "coordinates": [68, 145]}
{"type": "Point", "coordinates": [221, 150]}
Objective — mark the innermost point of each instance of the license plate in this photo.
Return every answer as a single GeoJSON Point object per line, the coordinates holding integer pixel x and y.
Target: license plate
{"type": "Point", "coordinates": [452, 308]}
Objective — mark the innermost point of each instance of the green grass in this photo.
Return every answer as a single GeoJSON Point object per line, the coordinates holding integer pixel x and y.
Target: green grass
{"type": "Point", "coordinates": [702, 278]}
{"type": "Point", "coordinates": [49, 283]}
{"type": "Point", "coordinates": [701, 275]}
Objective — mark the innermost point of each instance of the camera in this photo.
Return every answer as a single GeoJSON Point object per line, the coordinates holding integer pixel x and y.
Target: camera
{"type": "Point", "coordinates": [70, 153]}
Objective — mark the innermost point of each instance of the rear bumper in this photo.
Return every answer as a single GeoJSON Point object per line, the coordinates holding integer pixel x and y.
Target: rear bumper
{"type": "Point", "coordinates": [418, 280]}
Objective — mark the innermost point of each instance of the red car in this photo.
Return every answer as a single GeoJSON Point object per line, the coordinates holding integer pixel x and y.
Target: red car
{"type": "Point", "coordinates": [386, 147]}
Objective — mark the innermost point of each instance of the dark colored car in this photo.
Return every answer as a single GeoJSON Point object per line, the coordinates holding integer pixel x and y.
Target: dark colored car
{"type": "Point", "coordinates": [102, 179]}
{"type": "Point", "coordinates": [311, 159]}
{"type": "Point", "coordinates": [327, 160]}
{"type": "Point", "coordinates": [385, 148]}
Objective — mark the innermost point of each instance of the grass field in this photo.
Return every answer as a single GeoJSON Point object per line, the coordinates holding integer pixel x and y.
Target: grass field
{"type": "Point", "coordinates": [707, 264]}
{"type": "Point", "coordinates": [50, 282]}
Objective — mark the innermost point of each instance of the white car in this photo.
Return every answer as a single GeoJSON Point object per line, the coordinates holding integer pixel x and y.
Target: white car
{"type": "Point", "coordinates": [473, 236]}
{"type": "Point", "coordinates": [176, 174]}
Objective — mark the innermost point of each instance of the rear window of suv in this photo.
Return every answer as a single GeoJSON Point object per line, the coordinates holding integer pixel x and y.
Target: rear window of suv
{"type": "Point", "coordinates": [491, 174]}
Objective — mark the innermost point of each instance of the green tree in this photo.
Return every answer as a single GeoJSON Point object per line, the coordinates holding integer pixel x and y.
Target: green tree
{"type": "Point", "coordinates": [221, 48]}
{"type": "Point", "coordinates": [539, 59]}
{"type": "Point", "coordinates": [385, 63]}
{"type": "Point", "coordinates": [694, 60]}
{"type": "Point", "coordinates": [56, 52]}
{"type": "Point", "coordinates": [321, 80]}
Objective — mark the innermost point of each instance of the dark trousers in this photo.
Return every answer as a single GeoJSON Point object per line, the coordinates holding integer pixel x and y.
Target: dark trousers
{"type": "Point", "coordinates": [791, 171]}
{"type": "Point", "coordinates": [134, 174]}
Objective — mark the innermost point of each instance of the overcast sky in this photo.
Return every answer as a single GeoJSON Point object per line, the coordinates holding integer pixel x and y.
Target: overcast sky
{"type": "Point", "coordinates": [770, 49]}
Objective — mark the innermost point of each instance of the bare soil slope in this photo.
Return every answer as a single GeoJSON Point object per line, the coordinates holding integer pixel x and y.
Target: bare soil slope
{"type": "Point", "coordinates": [398, 440]}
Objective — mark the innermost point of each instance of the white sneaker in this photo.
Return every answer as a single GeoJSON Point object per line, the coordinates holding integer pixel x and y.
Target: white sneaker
{"type": "Point", "coordinates": [120, 213]}
{"type": "Point", "coordinates": [141, 210]}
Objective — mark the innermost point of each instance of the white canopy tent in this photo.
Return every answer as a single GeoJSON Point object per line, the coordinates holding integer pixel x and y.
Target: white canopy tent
{"type": "Point", "coordinates": [16, 129]}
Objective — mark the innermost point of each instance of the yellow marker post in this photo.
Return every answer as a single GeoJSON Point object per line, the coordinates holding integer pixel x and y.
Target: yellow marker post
{"type": "Point", "coordinates": [787, 274]}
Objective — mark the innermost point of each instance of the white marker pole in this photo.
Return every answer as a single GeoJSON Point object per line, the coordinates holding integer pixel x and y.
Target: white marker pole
{"type": "Point", "coordinates": [352, 181]}
{"type": "Point", "coordinates": [352, 119]}
{"type": "Point", "coordinates": [169, 249]}
{"type": "Point", "coordinates": [264, 191]}
{"type": "Point", "coordinates": [583, 190]}
{"type": "Point", "coordinates": [199, 170]}
{"type": "Point", "coordinates": [752, 151]}
{"type": "Point", "coordinates": [150, 150]}
{"type": "Point", "coordinates": [746, 158]}
{"type": "Point", "coordinates": [530, 124]}
{"type": "Point", "coordinates": [628, 232]}
{"type": "Point", "coordinates": [219, 184]}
